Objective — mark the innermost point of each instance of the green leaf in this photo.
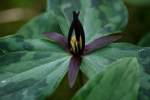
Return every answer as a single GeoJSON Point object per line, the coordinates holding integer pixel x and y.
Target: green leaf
{"type": "Point", "coordinates": [32, 66]}
{"type": "Point", "coordinates": [34, 29]}
{"type": "Point", "coordinates": [144, 60]}
{"type": "Point", "coordinates": [30, 75]}
{"type": "Point", "coordinates": [145, 41]}
{"type": "Point", "coordinates": [120, 81]}
{"type": "Point", "coordinates": [96, 61]}
{"type": "Point", "coordinates": [99, 17]}
{"type": "Point", "coordinates": [19, 43]}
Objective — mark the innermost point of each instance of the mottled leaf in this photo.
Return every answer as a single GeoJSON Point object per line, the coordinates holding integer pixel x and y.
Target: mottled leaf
{"type": "Point", "coordinates": [120, 81]}
{"type": "Point", "coordinates": [99, 17]}
{"type": "Point", "coordinates": [30, 75]}
{"type": "Point", "coordinates": [96, 61]}
{"type": "Point", "coordinates": [19, 43]}
{"type": "Point", "coordinates": [144, 60]}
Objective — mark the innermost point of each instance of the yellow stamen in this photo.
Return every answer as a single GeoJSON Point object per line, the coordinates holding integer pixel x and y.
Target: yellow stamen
{"type": "Point", "coordinates": [74, 43]}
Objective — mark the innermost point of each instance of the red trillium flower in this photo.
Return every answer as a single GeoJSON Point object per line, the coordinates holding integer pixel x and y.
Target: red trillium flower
{"type": "Point", "coordinates": [76, 46]}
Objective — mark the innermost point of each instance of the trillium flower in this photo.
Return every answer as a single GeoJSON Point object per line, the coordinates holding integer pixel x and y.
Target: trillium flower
{"type": "Point", "coordinates": [76, 45]}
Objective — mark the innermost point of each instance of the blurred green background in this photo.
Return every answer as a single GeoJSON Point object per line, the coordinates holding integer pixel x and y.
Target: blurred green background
{"type": "Point", "coordinates": [15, 13]}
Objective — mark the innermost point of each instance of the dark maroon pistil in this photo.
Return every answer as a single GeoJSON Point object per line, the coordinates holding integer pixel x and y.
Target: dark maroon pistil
{"type": "Point", "coordinates": [76, 36]}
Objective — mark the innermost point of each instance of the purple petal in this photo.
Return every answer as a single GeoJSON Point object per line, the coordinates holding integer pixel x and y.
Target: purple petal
{"type": "Point", "coordinates": [58, 38]}
{"type": "Point", "coordinates": [74, 67]}
{"type": "Point", "coordinates": [101, 42]}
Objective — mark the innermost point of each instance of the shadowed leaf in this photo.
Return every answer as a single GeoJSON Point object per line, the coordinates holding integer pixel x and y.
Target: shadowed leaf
{"type": "Point", "coordinates": [144, 60]}
{"type": "Point", "coordinates": [145, 41]}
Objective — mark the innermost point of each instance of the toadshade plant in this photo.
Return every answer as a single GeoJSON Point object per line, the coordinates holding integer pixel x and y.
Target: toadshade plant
{"type": "Point", "coordinates": [71, 35]}
{"type": "Point", "coordinates": [76, 45]}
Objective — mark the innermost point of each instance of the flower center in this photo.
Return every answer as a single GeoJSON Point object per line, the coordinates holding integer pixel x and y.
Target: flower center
{"type": "Point", "coordinates": [76, 36]}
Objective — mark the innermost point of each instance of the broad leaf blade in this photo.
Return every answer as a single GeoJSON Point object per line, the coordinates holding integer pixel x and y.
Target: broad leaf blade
{"type": "Point", "coordinates": [19, 43]}
{"type": "Point", "coordinates": [99, 17]}
{"type": "Point", "coordinates": [96, 61]}
{"type": "Point", "coordinates": [144, 60]}
{"type": "Point", "coordinates": [30, 75]}
{"type": "Point", "coordinates": [32, 66]}
{"type": "Point", "coordinates": [120, 81]}
{"type": "Point", "coordinates": [34, 29]}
